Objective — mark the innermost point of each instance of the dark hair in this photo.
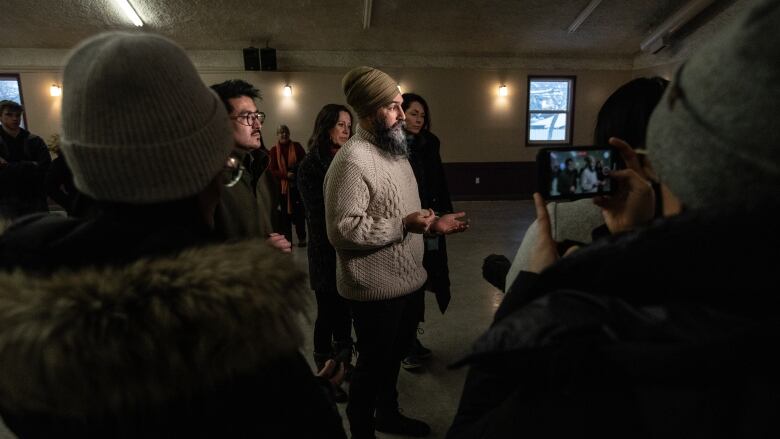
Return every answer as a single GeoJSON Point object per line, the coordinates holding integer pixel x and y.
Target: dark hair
{"type": "Point", "coordinates": [11, 106]}
{"type": "Point", "coordinates": [627, 111]}
{"type": "Point", "coordinates": [412, 97]}
{"type": "Point", "coordinates": [326, 119]}
{"type": "Point", "coordinates": [235, 88]}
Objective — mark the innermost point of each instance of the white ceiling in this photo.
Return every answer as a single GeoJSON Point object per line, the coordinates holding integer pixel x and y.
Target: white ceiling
{"type": "Point", "coordinates": [399, 28]}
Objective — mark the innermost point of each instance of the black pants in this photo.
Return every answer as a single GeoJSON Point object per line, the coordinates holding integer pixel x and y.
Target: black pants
{"type": "Point", "coordinates": [297, 217]}
{"type": "Point", "coordinates": [334, 322]}
{"type": "Point", "coordinates": [384, 330]}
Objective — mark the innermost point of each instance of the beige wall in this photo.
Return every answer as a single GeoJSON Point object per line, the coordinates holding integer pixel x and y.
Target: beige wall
{"type": "Point", "coordinates": [472, 121]}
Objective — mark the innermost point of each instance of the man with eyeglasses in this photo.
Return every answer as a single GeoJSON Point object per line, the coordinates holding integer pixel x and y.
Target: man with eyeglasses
{"type": "Point", "coordinates": [248, 207]}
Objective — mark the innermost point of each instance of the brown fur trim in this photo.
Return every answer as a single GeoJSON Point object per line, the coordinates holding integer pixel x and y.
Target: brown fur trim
{"type": "Point", "coordinates": [103, 341]}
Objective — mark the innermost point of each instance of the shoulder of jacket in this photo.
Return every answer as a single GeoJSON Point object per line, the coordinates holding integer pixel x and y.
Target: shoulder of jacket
{"type": "Point", "coordinates": [202, 316]}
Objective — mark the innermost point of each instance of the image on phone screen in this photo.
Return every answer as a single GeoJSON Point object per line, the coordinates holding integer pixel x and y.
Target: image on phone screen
{"type": "Point", "coordinates": [570, 173]}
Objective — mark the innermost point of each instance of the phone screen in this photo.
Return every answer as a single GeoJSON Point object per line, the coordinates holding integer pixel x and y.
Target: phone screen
{"type": "Point", "coordinates": [579, 172]}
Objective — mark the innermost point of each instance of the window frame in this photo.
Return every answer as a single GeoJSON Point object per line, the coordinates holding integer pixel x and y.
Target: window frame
{"type": "Point", "coordinates": [18, 78]}
{"type": "Point", "coordinates": [568, 140]}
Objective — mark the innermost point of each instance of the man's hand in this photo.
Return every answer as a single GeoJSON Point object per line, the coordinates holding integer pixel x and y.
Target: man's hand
{"type": "Point", "coordinates": [632, 206]}
{"type": "Point", "coordinates": [634, 203]}
{"type": "Point", "coordinates": [545, 253]}
{"type": "Point", "coordinates": [449, 224]}
{"type": "Point", "coordinates": [419, 222]}
{"type": "Point", "coordinates": [279, 242]}
{"type": "Point", "coordinates": [329, 372]}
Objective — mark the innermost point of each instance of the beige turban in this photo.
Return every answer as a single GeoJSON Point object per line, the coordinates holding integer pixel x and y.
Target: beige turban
{"type": "Point", "coordinates": [367, 89]}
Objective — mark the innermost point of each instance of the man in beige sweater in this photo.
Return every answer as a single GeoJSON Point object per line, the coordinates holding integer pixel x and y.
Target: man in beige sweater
{"type": "Point", "coordinates": [376, 225]}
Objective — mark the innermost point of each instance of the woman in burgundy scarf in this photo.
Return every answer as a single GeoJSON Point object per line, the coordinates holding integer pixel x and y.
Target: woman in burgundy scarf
{"type": "Point", "coordinates": [286, 155]}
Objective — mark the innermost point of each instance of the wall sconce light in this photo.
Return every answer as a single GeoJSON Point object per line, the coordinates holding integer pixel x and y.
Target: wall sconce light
{"type": "Point", "coordinates": [399, 88]}
{"type": "Point", "coordinates": [502, 90]}
{"type": "Point", "coordinates": [55, 90]}
{"type": "Point", "coordinates": [288, 90]}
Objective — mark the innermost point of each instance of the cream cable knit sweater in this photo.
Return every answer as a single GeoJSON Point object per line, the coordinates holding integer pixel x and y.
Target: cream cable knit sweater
{"type": "Point", "coordinates": [367, 195]}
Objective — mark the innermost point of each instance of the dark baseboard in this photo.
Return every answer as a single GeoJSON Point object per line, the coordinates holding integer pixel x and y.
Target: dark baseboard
{"type": "Point", "coordinates": [497, 180]}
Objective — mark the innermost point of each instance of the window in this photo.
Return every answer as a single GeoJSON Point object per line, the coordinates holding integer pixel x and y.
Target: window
{"type": "Point", "coordinates": [550, 110]}
{"type": "Point", "coordinates": [11, 89]}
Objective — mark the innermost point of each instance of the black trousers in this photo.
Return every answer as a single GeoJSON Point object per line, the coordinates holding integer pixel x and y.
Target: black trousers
{"type": "Point", "coordinates": [298, 216]}
{"type": "Point", "coordinates": [334, 322]}
{"type": "Point", "coordinates": [385, 330]}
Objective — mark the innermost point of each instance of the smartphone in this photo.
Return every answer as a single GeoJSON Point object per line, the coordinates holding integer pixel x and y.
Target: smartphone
{"type": "Point", "coordinates": [576, 172]}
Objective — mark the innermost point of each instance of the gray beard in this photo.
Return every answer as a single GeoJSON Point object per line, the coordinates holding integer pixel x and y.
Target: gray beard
{"type": "Point", "coordinates": [392, 140]}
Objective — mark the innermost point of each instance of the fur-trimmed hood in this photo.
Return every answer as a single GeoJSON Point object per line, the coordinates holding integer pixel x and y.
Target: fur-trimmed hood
{"type": "Point", "coordinates": [108, 340]}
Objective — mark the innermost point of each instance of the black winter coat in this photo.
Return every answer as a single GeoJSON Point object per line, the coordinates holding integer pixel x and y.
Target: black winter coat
{"type": "Point", "coordinates": [434, 194]}
{"type": "Point", "coordinates": [667, 332]}
{"type": "Point", "coordinates": [132, 324]}
{"type": "Point", "coordinates": [22, 189]}
{"type": "Point", "coordinates": [322, 255]}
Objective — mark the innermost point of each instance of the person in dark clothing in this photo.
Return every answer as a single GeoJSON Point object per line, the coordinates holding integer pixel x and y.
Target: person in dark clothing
{"type": "Point", "coordinates": [245, 209]}
{"type": "Point", "coordinates": [333, 326]}
{"type": "Point", "coordinates": [24, 160]}
{"type": "Point", "coordinates": [567, 180]}
{"type": "Point", "coordinates": [665, 328]}
{"type": "Point", "coordinates": [136, 321]}
{"type": "Point", "coordinates": [434, 194]}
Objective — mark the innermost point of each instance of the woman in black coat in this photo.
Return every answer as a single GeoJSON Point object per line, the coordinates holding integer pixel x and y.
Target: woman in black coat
{"type": "Point", "coordinates": [332, 329]}
{"type": "Point", "coordinates": [434, 194]}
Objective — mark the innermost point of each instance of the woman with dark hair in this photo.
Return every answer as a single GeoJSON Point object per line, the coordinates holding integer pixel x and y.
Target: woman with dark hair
{"type": "Point", "coordinates": [333, 326]}
{"type": "Point", "coordinates": [434, 194]}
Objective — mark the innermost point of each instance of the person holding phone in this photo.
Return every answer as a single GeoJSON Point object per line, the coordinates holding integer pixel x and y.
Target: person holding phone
{"type": "Point", "coordinates": [674, 314]}
{"type": "Point", "coordinates": [625, 115]}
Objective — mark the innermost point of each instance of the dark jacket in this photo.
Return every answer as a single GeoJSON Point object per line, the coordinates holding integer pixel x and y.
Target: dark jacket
{"type": "Point", "coordinates": [667, 332]}
{"type": "Point", "coordinates": [243, 212]}
{"type": "Point", "coordinates": [193, 340]}
{"type": "Point", "coordinates": [22, 188]}
{"type": "Point", "coordinates": [434, 194]}
{"type": "Point", "coordinates": [322, 255]}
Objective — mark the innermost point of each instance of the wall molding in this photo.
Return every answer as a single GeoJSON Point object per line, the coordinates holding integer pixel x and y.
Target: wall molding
{"type": "Point", "coordinates": [497, 180]}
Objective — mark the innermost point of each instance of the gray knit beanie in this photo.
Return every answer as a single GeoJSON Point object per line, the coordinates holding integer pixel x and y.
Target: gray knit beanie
{"type": "Point", "coordinates": [714, 137]}
{"type": "Point", "coordinates": [367, 89]}
{"type": "Point", "coordinates": [139, 125]}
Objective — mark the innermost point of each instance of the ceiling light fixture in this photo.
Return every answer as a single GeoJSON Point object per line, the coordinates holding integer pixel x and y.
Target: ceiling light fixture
{"type": "Point", "coordinates": [130, 12]}
{"type": "Point", "coordinates": [502, 90]}
{"type": "Point", "coordinates": [367, 14]}
{"type": "Point", "coordinates": [660, 37]}
{"type": "Point", "coordinates": [55, 90]}
{"type": "Point", "coordinates": [583, 15]}
{"type": "Point", "coordinates": [288, 90]}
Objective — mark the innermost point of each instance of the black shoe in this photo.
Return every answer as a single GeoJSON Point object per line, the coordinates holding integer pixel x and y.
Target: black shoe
{"type": "Point", "coordinates": [394, 422]}
{"type": "Point", "coordinates": [411, 362]}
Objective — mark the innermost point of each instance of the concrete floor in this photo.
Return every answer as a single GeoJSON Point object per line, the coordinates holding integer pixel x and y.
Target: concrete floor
{"type": "Point", "coordinates": [433, 394]}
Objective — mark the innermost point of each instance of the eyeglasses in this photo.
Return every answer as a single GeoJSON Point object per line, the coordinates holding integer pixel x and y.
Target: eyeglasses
{"type": "Point", "coordinates": [232, 172]}
{"type": "Point", "coordinates": [249, 119]}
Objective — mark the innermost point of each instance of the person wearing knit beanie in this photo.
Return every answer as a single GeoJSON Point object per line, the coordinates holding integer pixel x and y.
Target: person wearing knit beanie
{"type": "Point", "coordinates": [138, 320]}
{"type": "Point", "coordinates": [713, 138]}
{"type": "Point", "coordinates": [139, 126]}
{"type": "Point", "coordinates": [674, 311]}
{"type": "Point", "coordinates": [375, 223]}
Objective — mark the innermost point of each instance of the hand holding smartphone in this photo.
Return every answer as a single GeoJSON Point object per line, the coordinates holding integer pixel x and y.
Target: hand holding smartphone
{"type": "Point", "coordinates": [571, 173]}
